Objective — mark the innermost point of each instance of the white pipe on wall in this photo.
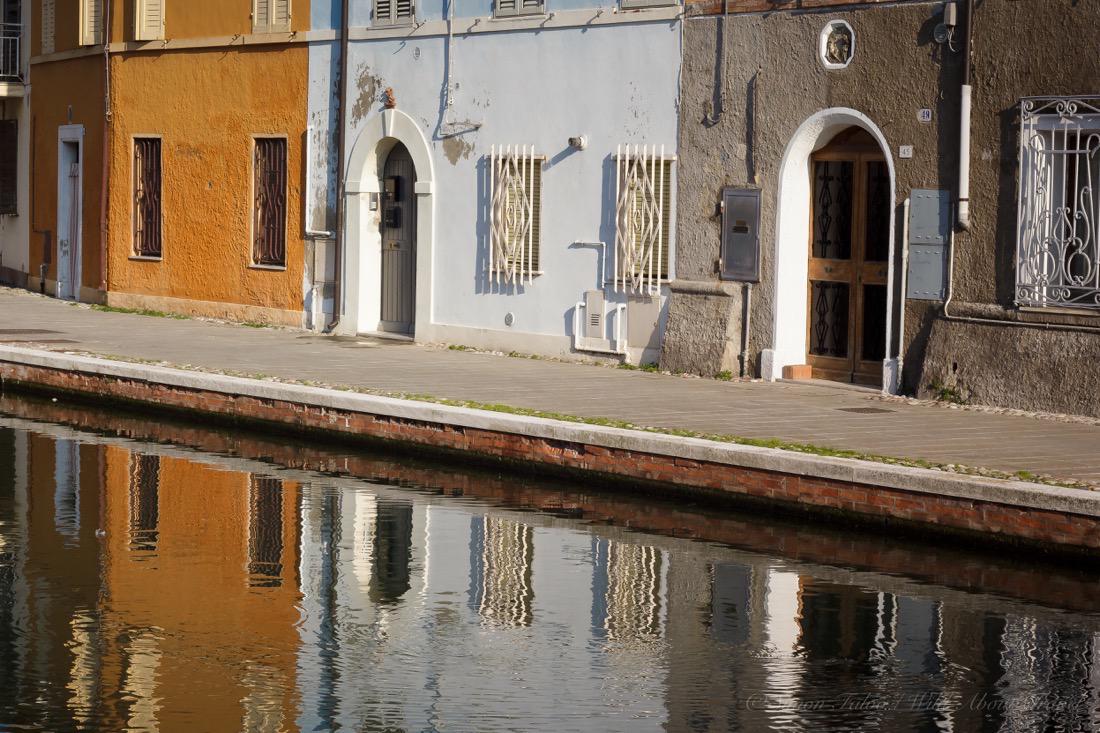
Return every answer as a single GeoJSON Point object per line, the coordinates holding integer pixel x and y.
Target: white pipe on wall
{"type": "Point", "coordinates": [964, 158]}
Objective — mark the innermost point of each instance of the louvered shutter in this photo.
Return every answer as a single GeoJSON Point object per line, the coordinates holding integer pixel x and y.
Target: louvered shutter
{"type": "Point", "coordinates": [48, 26]}
{"type": "Point", "coordinates": [383, 12]}
{"type": "Point", "coordinates": [519, 7]}
{"type": "Point", "coordinates": [9, 158]}
{"type": "Point", "coordinates": [270, 16]}
{"type": "Point", "coordinates": [149, 20]}
{"type": "Point", "coordinates": [405, 10]}
{"type": "Point", "coordinates": [91, 22]}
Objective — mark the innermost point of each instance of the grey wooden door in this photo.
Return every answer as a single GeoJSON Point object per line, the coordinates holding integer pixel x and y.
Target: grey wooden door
{"type": "Point", "coordinates": [398, 242]}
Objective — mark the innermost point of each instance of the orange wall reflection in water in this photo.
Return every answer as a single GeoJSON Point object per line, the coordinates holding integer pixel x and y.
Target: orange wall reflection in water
{"type": "Point", "coordinates": [200, 572]}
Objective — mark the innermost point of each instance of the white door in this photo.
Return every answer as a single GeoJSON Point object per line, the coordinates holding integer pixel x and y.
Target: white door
{"type": "Point", "coordinates": [69, 209]}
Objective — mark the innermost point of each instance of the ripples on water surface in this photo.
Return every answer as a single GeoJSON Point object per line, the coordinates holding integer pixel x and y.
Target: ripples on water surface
{"type": "Point", "coordinates": [261, 586]}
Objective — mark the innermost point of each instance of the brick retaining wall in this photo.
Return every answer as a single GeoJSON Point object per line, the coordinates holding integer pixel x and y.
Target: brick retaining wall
{"type": "Point", "coordinates": [1057, 530]}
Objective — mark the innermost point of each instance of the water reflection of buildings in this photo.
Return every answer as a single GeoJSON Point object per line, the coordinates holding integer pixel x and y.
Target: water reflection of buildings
{"type": "Point", "coordinates": [320, 604]}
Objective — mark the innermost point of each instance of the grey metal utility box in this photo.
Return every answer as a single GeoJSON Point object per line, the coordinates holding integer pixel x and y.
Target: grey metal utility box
{"type": "Point", "coordinates": [929, 244]}
{"type": "Point", "coordinates": [741, 234]}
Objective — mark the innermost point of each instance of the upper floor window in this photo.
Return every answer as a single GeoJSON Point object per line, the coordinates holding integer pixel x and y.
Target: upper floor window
{"type": "Point", "coordinates": [1057, 249]}
{"type": "Point", "coordinates": [393, 12]}
{"type": "Point", "coordinates": [270, 16]}
{"type": "Point", "coordinates": [149, 20]}
{"type": "Point", "coordinates": [518, 7]}
{"type": "Point", "coordinates": [269, 202]}
{"type": "Point", "coordinates": [643, 217]}
{"type": "Point", "coordinates": [91, 22]}
{"type": "Point", "coordinates": [515, 210]}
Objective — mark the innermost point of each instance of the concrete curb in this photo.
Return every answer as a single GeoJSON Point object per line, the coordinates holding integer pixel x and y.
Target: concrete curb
{"type": "Point", "coordinates": [1019, 494]}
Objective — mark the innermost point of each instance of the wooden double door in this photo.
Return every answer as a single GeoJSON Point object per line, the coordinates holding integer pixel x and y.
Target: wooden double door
{"type": "Point", "coordinates": [849, 250]}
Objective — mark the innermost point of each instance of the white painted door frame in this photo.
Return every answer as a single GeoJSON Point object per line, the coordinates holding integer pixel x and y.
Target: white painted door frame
{"type": "Point", "coordinates": [67, 209]}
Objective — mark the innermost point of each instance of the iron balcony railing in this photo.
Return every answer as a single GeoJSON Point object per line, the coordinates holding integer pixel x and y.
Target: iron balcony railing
{"type": "Point", "coordinates": [11, 56]}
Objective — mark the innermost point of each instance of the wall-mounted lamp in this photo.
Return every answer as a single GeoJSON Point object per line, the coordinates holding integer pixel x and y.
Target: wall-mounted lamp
{"type": "Point", "coordinates": [945, 31]}
{"type": "Point", "coordinates": [580, 142]}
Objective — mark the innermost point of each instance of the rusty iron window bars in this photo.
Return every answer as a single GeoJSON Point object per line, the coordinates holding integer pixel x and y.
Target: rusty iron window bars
{"type": "Point", "coordinates": [147, 195]}
{"type": "Point", "coordinates": [269, 211]}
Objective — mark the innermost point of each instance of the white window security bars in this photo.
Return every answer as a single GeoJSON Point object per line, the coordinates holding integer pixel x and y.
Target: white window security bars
{"type": "Point", "coordinates": [1058, 249]}
{"type": "Point", "coordinates": [515, 192]}
{"type": "Point", "coordinates": [11, 59]}
{"type": "Point", "coordinates": [643, 182]}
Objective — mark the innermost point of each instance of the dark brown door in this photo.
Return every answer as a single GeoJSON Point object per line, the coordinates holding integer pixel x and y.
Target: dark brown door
{"type": "Point", "coordinates": [849, 247]}
{"type": "Point", "coordinates": [398, 242]}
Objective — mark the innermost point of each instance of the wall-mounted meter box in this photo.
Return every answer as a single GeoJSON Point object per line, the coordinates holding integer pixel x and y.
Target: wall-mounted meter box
{"type": "Point", "coordinates": [741, 234]}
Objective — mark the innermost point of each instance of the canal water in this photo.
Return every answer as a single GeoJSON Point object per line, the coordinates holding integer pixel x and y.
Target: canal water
{"type": "Point", "coordinates": [164, 577]}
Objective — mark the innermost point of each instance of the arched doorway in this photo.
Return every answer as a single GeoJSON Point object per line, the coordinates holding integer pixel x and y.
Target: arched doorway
{"type": "Point", "coordinates": [834, 253]}
{"type": "Point", "coordinates": [398, 233]}
{"type": "Point", "coordinates": [366, 282]}
{"type": "Point", "coordinates": [849, 246]}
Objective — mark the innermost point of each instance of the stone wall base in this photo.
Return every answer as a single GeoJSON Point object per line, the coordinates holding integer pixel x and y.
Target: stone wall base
{"type": "Point", "coordinates": [984, 520]}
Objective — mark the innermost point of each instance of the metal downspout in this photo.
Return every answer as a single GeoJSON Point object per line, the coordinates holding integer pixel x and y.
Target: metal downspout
{"type": "Point", "coordinates": [964, 124]}
{"type": "Point", "coordinates": [104, 191]}
{"type": "Point", "coordinates": [342, 137]}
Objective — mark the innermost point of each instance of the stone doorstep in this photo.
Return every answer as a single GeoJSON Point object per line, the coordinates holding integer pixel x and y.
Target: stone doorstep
{"type": "Point", "coordinates": [933, 484]}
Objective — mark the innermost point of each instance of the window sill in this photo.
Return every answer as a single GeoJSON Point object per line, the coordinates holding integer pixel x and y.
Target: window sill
{"type": "Point", "coordinates": [270, 268]}
{"type": "Point", "coordinates": [146, 258]}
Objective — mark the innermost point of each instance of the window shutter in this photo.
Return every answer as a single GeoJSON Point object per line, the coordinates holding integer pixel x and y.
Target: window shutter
{"type": "Point", "coordinates": [9, 157]}
{"type": "Point", "coordinates": [91, 22]}
{"type": "Point", "coordinates": [270, 16]}
{"type": "Point", "coordinates": [383, 11]}
{"type": "Point", "coordinates": [149, 20]}
{"type": "Point", "coordinates": [519, 7]}
{"type": "Point", "coordinates": [405, 9]}
{"type": "Point", "coordinates": [48, 26]}
{"type": "Point", "coordinates": [506, 7]}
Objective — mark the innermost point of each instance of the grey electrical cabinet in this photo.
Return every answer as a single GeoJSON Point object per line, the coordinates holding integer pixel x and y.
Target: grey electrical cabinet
{"type": "Point", "coordinates": [929, 244]}
{"type": "Point", "coordinates": [740, 234]}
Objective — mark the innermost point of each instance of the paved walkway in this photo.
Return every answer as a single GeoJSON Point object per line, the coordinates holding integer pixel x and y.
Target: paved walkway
{"type": "Point", "coordinates": [822, 414]}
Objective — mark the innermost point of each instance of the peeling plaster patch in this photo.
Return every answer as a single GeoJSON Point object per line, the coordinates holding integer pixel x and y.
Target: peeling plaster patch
{"type": "Point", "coordinates": [455, 148]}
{"type": "Point", "coordinates": [368, 85]}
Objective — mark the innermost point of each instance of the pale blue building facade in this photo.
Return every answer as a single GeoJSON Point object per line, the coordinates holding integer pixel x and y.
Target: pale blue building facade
{"type": "Point", "coordinates": [510, 172]}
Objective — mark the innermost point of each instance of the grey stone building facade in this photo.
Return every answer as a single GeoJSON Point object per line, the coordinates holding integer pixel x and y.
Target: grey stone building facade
{"type": "Point", "coordinates": [844, 118]}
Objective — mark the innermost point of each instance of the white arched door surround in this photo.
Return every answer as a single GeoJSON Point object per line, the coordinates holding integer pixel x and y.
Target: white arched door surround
{"type": "Point", "coordinates": [792, 235]}
{"type": "Point", "coordinates": [362, 251]}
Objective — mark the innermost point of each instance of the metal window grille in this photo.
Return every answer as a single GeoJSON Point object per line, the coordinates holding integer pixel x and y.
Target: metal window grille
{"type": "Point", "coordinates": [11, 35]}
{"type": "Point", "coordinates": [147, 188]}
{"type": "Point", "coordinates": [515, 195]}
{"type": "Point", "coordinates": [390, 12]}
{"type": "Point", "coordinates": [265, 531]}
{"type": "Point", "coordinates": [1058, 249]}
{"type": "Point", "coordinates": [269, 207]}
{"type": "Point", "coordinates": [520, 7]}
{"type": "Point", "coordinates": [9, 157]}
{"type": "Point", "coordinates": [643, 210]}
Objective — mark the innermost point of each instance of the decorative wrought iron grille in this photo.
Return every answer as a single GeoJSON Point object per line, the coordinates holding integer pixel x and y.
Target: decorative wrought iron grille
{"type": "Point", "coordinates": [147, 186]}
{"type": "Point", "coordinates": [642, 218]}
{"type": "Point", "coordinates": [515, 195]}
{"type": "Point", "coordinates": [1058, 252]}
{"type": "Point", "coordinates": [269, 209]}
